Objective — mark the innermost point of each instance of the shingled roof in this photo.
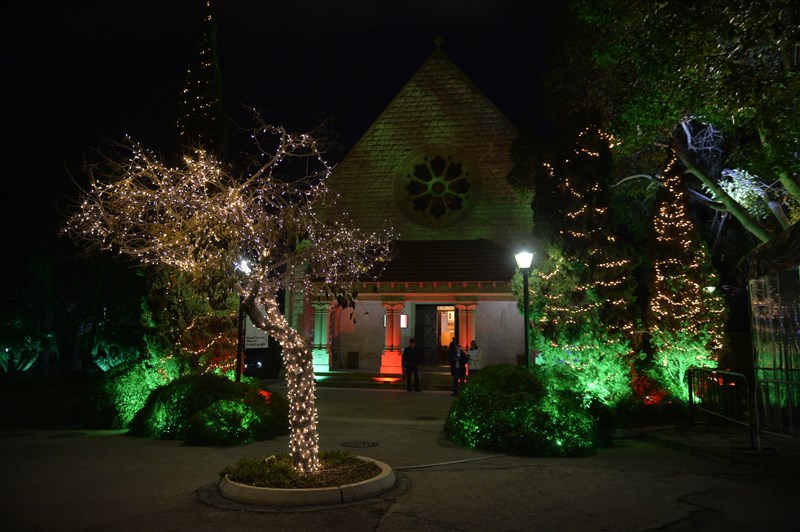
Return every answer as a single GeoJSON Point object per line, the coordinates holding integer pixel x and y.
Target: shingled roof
{"type": "Point", "coordinates": [450, 261]}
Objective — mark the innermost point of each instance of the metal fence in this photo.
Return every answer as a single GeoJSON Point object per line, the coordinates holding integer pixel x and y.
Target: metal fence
{"type": "Point", "coordinates": [772, 405]}
{"type": "Point", "coordinates": [777, 407]}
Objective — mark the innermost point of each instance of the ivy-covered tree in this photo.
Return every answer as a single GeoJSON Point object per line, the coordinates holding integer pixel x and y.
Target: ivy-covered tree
{"type": "Point", "coordinates": [686, 315]}
{"type": "Point", "coordinates": [196, 327]}
{"type": "Point", "coordinates": [204, 217]}
{"type": "Point", "coordinates": [581, 289]}
{"type": "Point", "coordinates": [714, 82]}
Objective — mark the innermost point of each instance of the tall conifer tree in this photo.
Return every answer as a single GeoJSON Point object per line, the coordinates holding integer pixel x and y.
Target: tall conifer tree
{"type": "Point", "coordinates": [581, 290]}
{"type": "Point", "coordinates": [200, 328]}
{"type": "Point", "coordinates": [202, 120]}
{"type": "Point", "coordinates": [686, 316]}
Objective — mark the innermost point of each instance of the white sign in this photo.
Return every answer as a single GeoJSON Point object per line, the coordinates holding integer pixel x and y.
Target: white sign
{"type": "Point", "coordinates": [254, 338]}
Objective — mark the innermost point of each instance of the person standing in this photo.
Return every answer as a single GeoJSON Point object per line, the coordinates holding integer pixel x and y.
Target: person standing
{"type": "Point", "coordinates": [458, 368]}
{"type": "Point", "coordinates": [475, 358]}
{"type": "Point", "coordinates": [411, 365]}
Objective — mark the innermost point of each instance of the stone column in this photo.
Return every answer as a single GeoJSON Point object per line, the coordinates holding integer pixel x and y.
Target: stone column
{"type": "Point", "coordinates": [392, 357]}
{"type": "Point", "coordinates": [466, 323]}
{"type": "Point", "coordinates": [320, 349]}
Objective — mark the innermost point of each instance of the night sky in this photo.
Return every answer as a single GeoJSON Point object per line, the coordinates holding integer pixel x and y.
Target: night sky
{"type": "Point", "coordinates": [77, 74]}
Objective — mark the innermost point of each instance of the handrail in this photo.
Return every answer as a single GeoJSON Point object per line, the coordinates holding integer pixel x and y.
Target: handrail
{"type": "Point", "coordinates": [710, 390]}
{"type": "Point", "coordinates": [772, 407]}
{"type": "Point", "coordinates": [776, 407]}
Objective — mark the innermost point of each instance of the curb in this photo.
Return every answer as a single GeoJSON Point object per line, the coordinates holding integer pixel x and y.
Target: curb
{"type": "Point", "coordinates": [366, 489]}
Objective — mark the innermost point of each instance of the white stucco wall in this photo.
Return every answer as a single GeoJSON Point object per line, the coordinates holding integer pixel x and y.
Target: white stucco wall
{"type": "Point", "coordinates": [366, 336]}
{"type": "Point", "coordinates": [499, 330]}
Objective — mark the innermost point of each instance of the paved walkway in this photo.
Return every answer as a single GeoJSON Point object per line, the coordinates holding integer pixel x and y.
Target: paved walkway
{"type": "Point", "coordinates": [74, 479]}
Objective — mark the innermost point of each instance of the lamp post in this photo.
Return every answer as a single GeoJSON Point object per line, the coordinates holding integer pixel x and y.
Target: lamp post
{"type": "Point", "coordinates": [240, 341]}
{"type": "Point", "coordinates": [524, 259]}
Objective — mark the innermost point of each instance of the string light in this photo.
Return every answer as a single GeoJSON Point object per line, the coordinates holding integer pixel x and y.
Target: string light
{"type": "Point", "coordinates": [583, 293]}
{"type": "Point", "coordinates": [203, 216]}
{"type": "Point", "coordinates": [685, 320]}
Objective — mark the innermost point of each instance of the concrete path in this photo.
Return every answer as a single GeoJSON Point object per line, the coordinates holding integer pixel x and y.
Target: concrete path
{"type": "Point", "coordinates": [74, 479]}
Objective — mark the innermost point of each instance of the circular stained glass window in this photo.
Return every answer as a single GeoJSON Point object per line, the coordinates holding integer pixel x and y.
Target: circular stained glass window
{"type": "Point", "coordinates": [437, 186]}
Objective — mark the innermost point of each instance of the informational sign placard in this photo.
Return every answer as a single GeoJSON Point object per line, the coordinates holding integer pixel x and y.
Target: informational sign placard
{"type": "Point", "coordinates": [254, 338]}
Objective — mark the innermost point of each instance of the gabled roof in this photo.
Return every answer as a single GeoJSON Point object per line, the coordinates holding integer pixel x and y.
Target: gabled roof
{"type": "Point", "coordinates": [438, 112]}
{"type": "Point", "coordinates": [439, 89]}
{"type": "Point", "coordinates": [450, 261]}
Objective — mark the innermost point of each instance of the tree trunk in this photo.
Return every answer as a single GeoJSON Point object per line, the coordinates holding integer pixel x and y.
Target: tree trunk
{"type": "Point", "coordinates": [301, 394]}
{"type": "Point", "coordinates": [736, 210]}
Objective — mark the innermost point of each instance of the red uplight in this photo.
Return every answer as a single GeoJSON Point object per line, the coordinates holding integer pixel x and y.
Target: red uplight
{"type": "Point", "coordinates": [266, 395]}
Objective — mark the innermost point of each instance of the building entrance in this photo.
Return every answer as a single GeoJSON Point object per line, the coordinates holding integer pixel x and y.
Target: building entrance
{"type": "Point", "coordinates": [436, 326]}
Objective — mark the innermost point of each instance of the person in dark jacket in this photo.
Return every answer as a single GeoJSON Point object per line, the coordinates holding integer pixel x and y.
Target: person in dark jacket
{"type": "Point", "coordinates": [411, 365]}
{"type": "Point", "coordinates": [458, 368]}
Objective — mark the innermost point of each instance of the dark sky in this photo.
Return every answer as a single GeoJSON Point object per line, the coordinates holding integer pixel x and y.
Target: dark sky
{"type": "Point", "coordinates": [76, 74]}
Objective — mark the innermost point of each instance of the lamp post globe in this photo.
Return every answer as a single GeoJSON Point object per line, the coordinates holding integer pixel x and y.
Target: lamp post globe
{"type": "Point", "coordinates": [524, 259]}
{"type": "Point", "coordinates": [243, 267]}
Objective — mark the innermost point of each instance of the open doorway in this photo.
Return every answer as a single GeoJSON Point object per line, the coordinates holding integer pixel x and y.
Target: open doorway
{"type": "Point", "coordinates": [436, 326]}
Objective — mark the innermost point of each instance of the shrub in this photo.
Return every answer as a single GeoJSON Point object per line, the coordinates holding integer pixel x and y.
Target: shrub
{"type": "Point", "coordinates": [116, 396]}
{"type": "Point", "coordinates": [211, 410]}
{"type": "Point", "coordinates": [507, 409]}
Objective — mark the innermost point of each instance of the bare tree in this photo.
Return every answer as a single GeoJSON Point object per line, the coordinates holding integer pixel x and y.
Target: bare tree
{"type": "Point", "coordinates": [269, 227]}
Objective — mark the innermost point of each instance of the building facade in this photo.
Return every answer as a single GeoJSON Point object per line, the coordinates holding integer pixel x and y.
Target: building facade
{"type": "Point", "coordinates": [432, 166]}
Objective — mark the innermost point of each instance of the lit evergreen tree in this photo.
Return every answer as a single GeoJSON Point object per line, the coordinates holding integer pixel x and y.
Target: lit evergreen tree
{"type": "Point", "coordinates": [685, 317]}
{"type": "Point", "coordinates": [202, 120]}
{"type": "Point", "coordinates": [199, 328]}
{"type": "Point", "coordinates": [581, 291]}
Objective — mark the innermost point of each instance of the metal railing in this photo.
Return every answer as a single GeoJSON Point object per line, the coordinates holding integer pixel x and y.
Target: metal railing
{"type": "Point", "coordinates": [721, 393]}
{"type": "Point", "coordinates": [777, 407]}
{"type": "Point", "coordinates": [772, 405]}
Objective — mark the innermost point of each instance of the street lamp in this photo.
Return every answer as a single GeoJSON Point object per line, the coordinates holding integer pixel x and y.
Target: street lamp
{"type": "Point", "coordinates": [524, 259]}
{"type": "Point", "coordinates": [243, 267]}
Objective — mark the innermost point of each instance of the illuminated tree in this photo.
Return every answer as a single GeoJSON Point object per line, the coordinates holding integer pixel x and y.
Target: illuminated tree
{"type": "Point", "coordinates": [197, 326]}
{"type": "Point", "coordinates": [581, 289]}
{"type": "Point", "coordinates": [192, 324]}
{"type": "Point", "coordinates": [204, 218]}
{"type": "Point", "coordinates": [716, 82]}
{"type": "Point", "coordinates": [686, 316]}
{"type": "Point", "coordinates": [202, 120]}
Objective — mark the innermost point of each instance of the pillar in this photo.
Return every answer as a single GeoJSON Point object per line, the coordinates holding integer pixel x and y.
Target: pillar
{"type": "Point", "coordinates": [466, 323]}
{"type": "Point", "coordinates": [392, 357]}
{"type": "Point", "coordinates": [320, 350]}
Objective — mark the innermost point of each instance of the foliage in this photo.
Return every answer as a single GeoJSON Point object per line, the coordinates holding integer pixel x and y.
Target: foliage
{"type": "Point", "coordinates": [198, 326]}
{"type": "Point", "coordinates": [338, 468]}
{"type": "Point", "coordinates": [686, 316]}
{"type": "Point", "coordinates": [714, 81]}
{"type": "Point", "coordinates": [595, 367]}
{"type": "Point", "coordinates": [581, 285]}
{"type": "Point", "coordinates": [210, 410]}
{"type": "Point", "coordinates": [20, 343]}
{"type": "Point", "coordinates": [508, 409]}
{"type": "Point", "coordinates": [117, 395]}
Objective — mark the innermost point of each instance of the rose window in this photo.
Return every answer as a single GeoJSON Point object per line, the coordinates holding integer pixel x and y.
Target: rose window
{"type": "Point", "coordinates": [437, 189]}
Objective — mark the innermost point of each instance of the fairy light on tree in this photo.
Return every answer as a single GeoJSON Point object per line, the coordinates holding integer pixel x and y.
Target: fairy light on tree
{"type": "Point", "coordinates": [201, 114]}
{"type": "Point", "coordinates": [685, 319]}
{"type": "Point", "coordinates": [202, 216]}
{"type": "Point", "coordinates": [581, 290]}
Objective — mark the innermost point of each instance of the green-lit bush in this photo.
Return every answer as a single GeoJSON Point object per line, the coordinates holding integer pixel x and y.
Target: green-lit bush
{"type": "Point", "coordinates": [507, 409]}
{"type": "Point", "coordinates": [116, 396]}
{"type": "Point", "coordinates": [211, 410]}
